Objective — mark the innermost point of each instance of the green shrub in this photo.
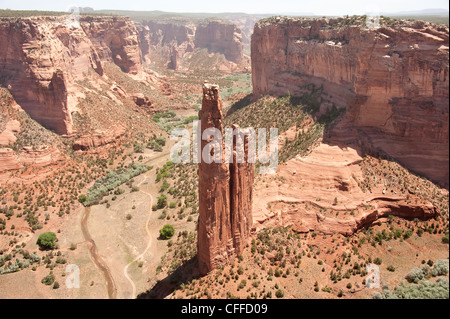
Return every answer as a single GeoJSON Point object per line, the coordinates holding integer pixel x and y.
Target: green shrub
{"type": "Point", "coordinates": [161, 141]}
{"type": "Point", "coordinates": [49, 279]}
{"type": "Point", "coordinates": [279, 293]}
{"type": "Point", "coordinates": [415, 275]}
{"type": "Point", "coordinates": [242, 284]}
{"type": "Point", "coordinates": [47, 241]}
{"type": "Point", "coordinates": [166, 232]}
{"type": "Point", "coordinates": [82, 199]}
{"type": "Point", "coordinates": [441, 268]}
{"type": "Point", "coordinates": [138, 148]}
{"type": "Point", "coordinates": [162, 202]}
{"type": "Point", "coordinates": [391, 268]}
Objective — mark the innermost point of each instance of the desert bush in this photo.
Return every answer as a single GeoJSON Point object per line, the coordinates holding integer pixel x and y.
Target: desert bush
{"type": "Point", "coordinates": [422, 290]}
{"type": "Point", "coordinates": [161, 141]}
{"type": "Point", "coordinates": [378, 261]}
{"type": "Point", "coordinates": [445, 239]}
{"type": "Point", "coordinates": [82, 199]}
{"type": "Point", "coordinates": [162, 202]}
{"type": "Point", "coordinates": [415, 275]}
{"type": "Point", "coordinates": [166, 232]}
{"type": "Point", "coordinates": [113, 179]}
{"type": "Point", "coordinates": [49, 279]}
{"type": "Point", "coordinates": [47, 241]}
{"type": "Point", "coordinates": [391, 268]}
{"type": "Point", "coordinates": [441, 268]}
{"type": "Point", "coordinates": [138, 148]}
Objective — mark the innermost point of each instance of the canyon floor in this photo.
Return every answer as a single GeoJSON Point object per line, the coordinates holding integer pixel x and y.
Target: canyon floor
{"type": "Point", "coordinates": [311, 235]}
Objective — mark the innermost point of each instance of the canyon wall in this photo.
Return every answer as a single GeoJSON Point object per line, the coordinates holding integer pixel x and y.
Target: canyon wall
{"type": "Point", "coordinates": [174, 38]}
{"type": "Point", "coordinates": [225, 193]}
{"type": "Point", "coordinates": [392, 80]}
{"type": "Point", "coordinates": [221, 37]}
{"type": "Point", "coordinates": [167, 36]}
{"type": "Point", "coordinates": [41, 58]}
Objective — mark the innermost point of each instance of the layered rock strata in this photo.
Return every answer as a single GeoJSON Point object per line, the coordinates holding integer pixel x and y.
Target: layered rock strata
{"type": "Point", "coordinates": [42, 58]}
{"type": "Point", "coordinates": [174, 39]}
{"type": "Point", "coordinates": [225, 193]}
{"type": "Point", "coordinates": [393, 81]}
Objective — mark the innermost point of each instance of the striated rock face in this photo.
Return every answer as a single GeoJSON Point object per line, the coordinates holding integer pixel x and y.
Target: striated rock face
{"type": "Point", "coordinates": [322, 192]}
{"type": "Point", "coordinates": [392, 80]}
{"type": "Point", "coordinates": [115, 39]}
{"type": "Point", "coordinates": [221, 37]}
{"type": "Point", "coordinates": [225, 195]}
{"type": "Point", "coordinates": [10, 160]}
{"type": "Point", "coordinates": [99, 139]}
{"type": "Point", "coordinates": [41, 58]}
{"type": "Point", "coordinates": [175, 39]}
{"type": "Point", "coordinates": [165, 35]}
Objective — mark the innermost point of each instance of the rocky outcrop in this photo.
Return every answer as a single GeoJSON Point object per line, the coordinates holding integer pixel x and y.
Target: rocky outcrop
{"type": "Point", "coordinates": [41, 58]}
{"type": "Point", "coordinates": [174, 39]}
{"type": "Point", "coordinates": [304, 221]}
{"type": "Point", "coordinates": [392, 80]}
{"type": "Point", "coordinates": [7, 136]}
{"type": "Point", "coordinates": [10, 160]}
{"type": "Point", "coordinates": [99, 139]}
{"type": "Point", "coordinates": [225, 194]}
{"type": "Point", "coordinates": [321, 192]}
{"type": "Point", "coordinates": [174, 58]}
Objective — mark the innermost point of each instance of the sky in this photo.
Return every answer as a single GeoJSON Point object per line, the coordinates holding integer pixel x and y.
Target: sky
{"type": "Point", "coordinates": [318, 7]}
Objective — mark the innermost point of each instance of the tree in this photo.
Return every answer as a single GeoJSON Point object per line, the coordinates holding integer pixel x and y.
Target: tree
{"type": "Point", "coordinates": [445, 239]}
{"type": "Point", "coordinates": [279, 293]}
{"type": "Point", "coordinates": [166, 232]}
{"type": "Point", "coordinates": [47, 241]}
{"type": "Point", "coordinates": [49, 279]}
{"type": "Point", "coordinates": [82, 199]}
{"type": "Point", "coordinates": [162, 201]}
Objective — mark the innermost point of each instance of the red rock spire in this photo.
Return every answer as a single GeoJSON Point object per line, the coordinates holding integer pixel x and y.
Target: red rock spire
{"type": "Point", "coordinates": [225, 195]}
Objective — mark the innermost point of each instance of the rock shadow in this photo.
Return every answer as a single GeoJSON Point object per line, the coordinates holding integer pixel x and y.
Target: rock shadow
{"type": "Point", "coordinates": [182, 275]}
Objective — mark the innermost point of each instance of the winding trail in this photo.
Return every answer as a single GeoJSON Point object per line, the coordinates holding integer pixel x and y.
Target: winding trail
{"type": "Point", "coordinates": [98, 260]}
{"type": "Point", "coordinates": [93, 250]}
{"type": "Point", "coordinates": [150, 241]}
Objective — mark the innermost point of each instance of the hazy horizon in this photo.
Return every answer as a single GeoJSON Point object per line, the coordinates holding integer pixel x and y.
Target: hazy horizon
{"type": "Point", "coordinates": [323, 7]}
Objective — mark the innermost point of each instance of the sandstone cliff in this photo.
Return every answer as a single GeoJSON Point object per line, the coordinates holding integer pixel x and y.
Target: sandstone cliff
{"type": "Point", "coordinates": [393, 81]}
{"type": "Point", "coordinates": [221, 37]}
{"type": "Point", "coordinates": [41, 58]}
{"type": "Point", "coordinates": [174, 39]}
{"type": "Point", "coordinates": [225, 195]}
